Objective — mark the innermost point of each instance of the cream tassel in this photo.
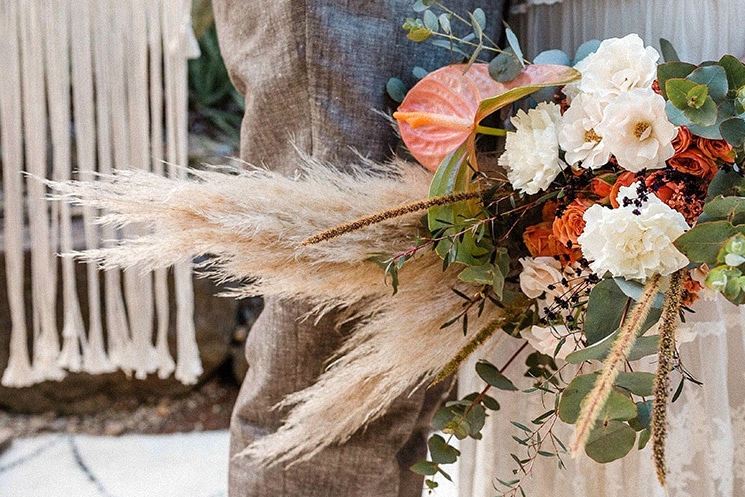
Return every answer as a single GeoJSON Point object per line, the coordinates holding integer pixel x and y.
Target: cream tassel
{"type": "Point", "coordinates": [57, 51]}
{"type": "Point", "coordinates": [138, 286]}
{"type": "Point", "coordinates": [94, 355]}
{"type": "Point", "coordinates": [43, 264]}
{"type": "Point", "coordinates": [111, 138]}
{"type": "Point", "coordinates": [164, 360]}
{"type": "Point", "coordinates": [19, 372]}
{"type": "Point", "coordinates": [179, 43]}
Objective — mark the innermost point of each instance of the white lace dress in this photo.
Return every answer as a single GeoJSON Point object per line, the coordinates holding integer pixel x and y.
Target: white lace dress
{"type": "Point", "coordinates": [706, 444]}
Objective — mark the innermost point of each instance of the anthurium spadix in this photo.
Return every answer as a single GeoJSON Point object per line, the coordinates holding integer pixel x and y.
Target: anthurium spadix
{"type": "Point", "coordinates": [444, 109]}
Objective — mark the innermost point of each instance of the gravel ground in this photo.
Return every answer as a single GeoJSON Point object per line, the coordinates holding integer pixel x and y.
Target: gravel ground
{"type": "Point", "coordinates": [206, 408]}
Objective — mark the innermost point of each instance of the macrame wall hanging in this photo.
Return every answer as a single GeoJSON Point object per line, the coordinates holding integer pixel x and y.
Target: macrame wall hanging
{"type": "Point", "coordinates": [90, 86]}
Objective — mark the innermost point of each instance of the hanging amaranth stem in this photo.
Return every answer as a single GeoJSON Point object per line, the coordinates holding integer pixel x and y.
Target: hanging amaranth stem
{"type": "Point", "coordinates": [595, 400]}
{"type": "Point", "coordinates": [665, 361]}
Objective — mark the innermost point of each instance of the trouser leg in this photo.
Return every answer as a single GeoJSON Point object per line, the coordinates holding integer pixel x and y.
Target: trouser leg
{"type": "Point", "coordinates": [315, 71]}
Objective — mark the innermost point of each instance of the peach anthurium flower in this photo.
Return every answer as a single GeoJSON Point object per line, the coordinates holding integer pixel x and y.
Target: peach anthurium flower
{"type": "Point", "coordinates": [443, 110]}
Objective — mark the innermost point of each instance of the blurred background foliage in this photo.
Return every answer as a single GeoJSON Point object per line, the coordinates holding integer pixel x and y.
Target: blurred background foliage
{"type": "Point", "coordinates": [215, 106]}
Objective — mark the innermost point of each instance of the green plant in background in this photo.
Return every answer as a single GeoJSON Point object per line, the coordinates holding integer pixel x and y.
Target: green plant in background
{"type": "Point", "coordinates": [215, 106]}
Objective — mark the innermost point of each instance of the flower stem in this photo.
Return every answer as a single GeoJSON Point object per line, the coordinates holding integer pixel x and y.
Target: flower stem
{"type": "Point", "coordinates": [595, 400]}
{"type": "Point", "coordinates": [486, 130]}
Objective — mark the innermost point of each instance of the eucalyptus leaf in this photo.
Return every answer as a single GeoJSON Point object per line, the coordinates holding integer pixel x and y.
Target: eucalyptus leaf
{"type": "Point", "coordinates": [419, 34]}
{"type": "Point", "coordinates": [505, 67]}
{"type": "Point", "coordinates": [396, 89]}
{"type": "Point", "coordinates": [704, 114]}
{"type": "Point", "coordinates": [733, 130]}
{"type": "Point", "coordinates": [491, 375]}
{"type": "Point", "coordinates": [735, 70]}
{"type": "Point", "coordinates": [426, 468]}
{"type": "Point", "coordinates": [715, 79]}
{"type": "Point", "coordinates": [726, 183]}
{"type": "Point", "coordinates": [599, 350]}
{"type": "Point", "coordinates": [588, 47]}
{"type": "Point", "coordinates": [440, 451]}
{"type": "Point", "coordinates": [605, 310]}
{"type": "Point", "coordinates": [703, 242]}
{"type": "Point", "coordinates": [617, 407]}
{"type": "Point", "coordinates": [556, 57]}
{"type": "Point", "coordinates": [668, 51]}
{"type": "Point", "coordinates": [479, 17]}
{"type": "Point", "coordinates": [634, 289]}
{"type": "Point", "coordinates": [431, 21]}
{"type": "Point", "coordinates": [610, 441]}
{"type": "Point", "coordinates": [730, 209]}
{"type": "Point", "coordinates": [514, 45]}
{"type": "Point", "coordinates": [677, 117]}
{"type": "Point", "coordinates": [638, 383]}
{"type": "Point", "coordinates": [644, 347]}
{"type": "Point", "coordinates": [571, 397]}
{"type": "Point", "coordinates": [419, 72]}
{"type": "Point", "coordinates": [444, 20]}
{"type": "Point", "coordinates": [672, 70]}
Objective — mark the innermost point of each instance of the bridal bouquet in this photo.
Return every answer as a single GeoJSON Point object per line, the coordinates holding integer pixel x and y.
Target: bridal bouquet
{"type": "Point", "coordinates": [616, 203]}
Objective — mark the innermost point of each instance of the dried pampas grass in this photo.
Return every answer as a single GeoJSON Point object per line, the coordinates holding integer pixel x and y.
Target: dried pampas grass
{"type": "Point", "coordinates": [251, 224]}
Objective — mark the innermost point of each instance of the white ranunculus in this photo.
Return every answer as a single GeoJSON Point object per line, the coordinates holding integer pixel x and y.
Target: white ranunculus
{"type": "Point", "coordinates": [578, 136]}
{"type": "Point", "coordinates": [619, 65]}
{"type": "Point", "coordinates": [545, 339]}
{"type": "Point", "coordinates": [538, 274]}
{"type": "Point", "coordinates": [531, 155]}
{"type": "Point", "coordinates": [633, 242]}
{"type": "Point", "coordinates": [636, 130]}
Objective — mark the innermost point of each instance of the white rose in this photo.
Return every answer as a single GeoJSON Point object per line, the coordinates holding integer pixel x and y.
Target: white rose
{"type": "Point", "coordinates": [538, 274]}
{"type": "Point", "coordinates": [619, 65]}
{"type": "Point", "coordinates": [635, 129]}
{"type": "Point", "coordinates": [531, 155]}
{"type": "Point", "coordinates": [577, 134]}
{"type": "Point", "coordinates": [633, 242]}
{"type": "Point", "coordinates": [545, 339]}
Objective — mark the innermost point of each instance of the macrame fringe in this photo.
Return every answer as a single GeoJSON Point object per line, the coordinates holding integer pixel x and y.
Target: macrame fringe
{"type": "Point", "coordinates": [115, 70]}
{"type": "Point", "coordinates": [251, 224]}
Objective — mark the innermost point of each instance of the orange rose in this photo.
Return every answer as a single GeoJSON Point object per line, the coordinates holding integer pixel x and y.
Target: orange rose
{"type": "Point", "coordinates": [570, 224]}
{"type": "Point", "coordinates": [682, 140]}
{"type": "Point", "coordinates": [602, 186]}
{"type": "Point", "coordinates": [541, 242]}
{"type": "Point", "coordinates": [716, 149]}
{"type": "Point", "coordinates": [626, 178]}
{"type": "Point", "coordinates": [536, 238]}
{"type": "Point", "coordinates": [694, 162]}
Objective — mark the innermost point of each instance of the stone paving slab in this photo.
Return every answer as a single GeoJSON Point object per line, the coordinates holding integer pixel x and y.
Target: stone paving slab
{"type": "Point", "coordinates": [177, 465]}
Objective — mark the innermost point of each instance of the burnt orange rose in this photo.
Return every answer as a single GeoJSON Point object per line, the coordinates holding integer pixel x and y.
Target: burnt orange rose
{"type": "Point", "coordinates": [541, 242]}
{"type": "Point", "coordinates": [694, 162]}
{"type": "Point", "coordinates": [716, 149]}
{"type": "Point", "coordinates": [601, 186]}
{"type": "Point", "coordinates": [536, 238]}
{"type": "Point", "coordinates": [626, 178]}
{"type": "Point", "coordinates": [682, 140]}
{"type": "Point", "coordinates": [570, 224]}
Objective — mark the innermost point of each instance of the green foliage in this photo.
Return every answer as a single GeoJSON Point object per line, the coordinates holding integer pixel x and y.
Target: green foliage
{"type": "Point", "coordinates": [492, 376]}
{"type": "Point", "coordinates": [708, 99]}
{"type": "Point", "coordinates": [461, 238]}
{"type": "Point", "coordinates": [213, 100]}
{"type": "Point", "coordinates": [614, 435]}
